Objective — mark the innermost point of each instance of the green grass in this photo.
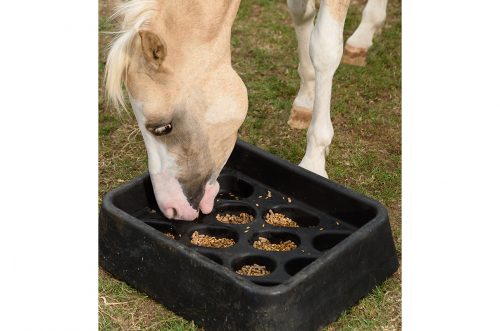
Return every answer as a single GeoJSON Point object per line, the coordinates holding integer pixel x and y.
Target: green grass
{"type": "Point", "coordinates": [365, 154]}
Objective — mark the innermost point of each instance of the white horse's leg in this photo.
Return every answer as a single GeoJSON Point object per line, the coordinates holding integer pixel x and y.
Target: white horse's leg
{"type": "Point", "coordinates": [371, 23]}
{"type": "Point", "coordinates": [303, 12]}
{"type": "Point", "coordinates": [326, 52]}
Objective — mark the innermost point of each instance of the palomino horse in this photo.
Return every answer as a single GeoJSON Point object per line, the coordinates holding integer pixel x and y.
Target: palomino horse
{"type": "Point", "coordinates": [174, 58]}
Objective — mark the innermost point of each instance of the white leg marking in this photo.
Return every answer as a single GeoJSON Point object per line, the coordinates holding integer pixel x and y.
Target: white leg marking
{"type": "Point", "coordinates": [326, 52]}
{"type": "Point", "coordinates": [302, 13]}
{"type": "Point", "coordinates": [372, 21]}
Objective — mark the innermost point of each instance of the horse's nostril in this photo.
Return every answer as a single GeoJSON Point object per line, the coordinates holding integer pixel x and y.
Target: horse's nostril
{"type": "Point", "coordinates": [170, 212]}
{"type": "Point", "coordinates": [194, 201]}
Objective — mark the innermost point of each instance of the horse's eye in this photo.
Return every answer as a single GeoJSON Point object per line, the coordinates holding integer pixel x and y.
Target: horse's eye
{"type": "Point", "coordinates": [160, 130]}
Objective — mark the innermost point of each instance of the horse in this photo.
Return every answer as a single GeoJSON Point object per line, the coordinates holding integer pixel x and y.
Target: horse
{"type": "Point", "coordinates": [174, 59]}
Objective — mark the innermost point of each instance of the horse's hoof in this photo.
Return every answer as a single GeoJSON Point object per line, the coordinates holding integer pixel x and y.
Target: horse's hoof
{"type": "Point", "coordinates": [354, 56]}
{"type": "Point", "coordinates": [300, 117]}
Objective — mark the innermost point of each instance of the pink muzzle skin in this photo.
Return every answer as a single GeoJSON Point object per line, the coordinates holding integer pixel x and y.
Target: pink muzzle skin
{"type": "Point", "coordinates": [174, 204]}
{"type": "Point", "coordinates": [207, 202]}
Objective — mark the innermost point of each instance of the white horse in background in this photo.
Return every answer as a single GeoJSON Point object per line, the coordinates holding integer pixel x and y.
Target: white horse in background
{"type": "Point", "coordinates": [174, 58]}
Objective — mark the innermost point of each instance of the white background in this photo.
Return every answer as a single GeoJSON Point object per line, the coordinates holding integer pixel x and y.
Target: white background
{"type": "Point", "coordinates": [451, 136]}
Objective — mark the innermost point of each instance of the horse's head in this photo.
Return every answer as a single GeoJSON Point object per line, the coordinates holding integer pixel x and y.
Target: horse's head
{"type": "Point", "coordinates": [174, 58]}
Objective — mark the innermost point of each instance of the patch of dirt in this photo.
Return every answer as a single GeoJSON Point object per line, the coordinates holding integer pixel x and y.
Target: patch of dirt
{"type": "Point", "coordinates": [106, 8]}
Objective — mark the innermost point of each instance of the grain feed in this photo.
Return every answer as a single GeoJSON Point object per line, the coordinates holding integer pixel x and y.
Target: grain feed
{"type": "Point", "coordinates": [264, 244]}
{"type": "Point", "coordinates": [278, 219]}
{"type": "Point", "coordinates": [253, 270]}
{"type": "Point", "coordinates": [209, 241]}
{"type": "Point", "coordinates": [242, 218]}
{"type": "Point", "coordinates": [169, 235]}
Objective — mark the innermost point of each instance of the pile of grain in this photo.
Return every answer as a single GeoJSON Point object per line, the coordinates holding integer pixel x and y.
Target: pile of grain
{"type": "Point", "coordinates": [279, 219]}
{"type": "Point", "coordinates": [253, 270]}
{"type": "Point", "coordinates": [242, 218]}
{"type": "Point", "coordinates": [209, 241]}
{"type": "Point", "coordinates": [266, 245]}
{"type": "Point", "coordinates": [169, 235]}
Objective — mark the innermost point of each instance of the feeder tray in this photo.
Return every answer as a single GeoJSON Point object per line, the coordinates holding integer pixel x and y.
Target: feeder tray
{"type": "Point", "coordinates": [344, 248]}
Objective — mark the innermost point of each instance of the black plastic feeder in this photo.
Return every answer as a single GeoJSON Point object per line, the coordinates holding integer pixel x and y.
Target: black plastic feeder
{"type": "Point", "coordinates": [344, 248]}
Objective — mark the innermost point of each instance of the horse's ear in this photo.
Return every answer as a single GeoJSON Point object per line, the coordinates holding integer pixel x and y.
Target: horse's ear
{"type": "Point", "coordinates": [152, 48]}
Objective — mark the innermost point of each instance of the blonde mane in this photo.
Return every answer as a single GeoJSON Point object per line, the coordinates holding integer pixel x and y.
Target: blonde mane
{"type": "Point", "coordinates": [135, 13]}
